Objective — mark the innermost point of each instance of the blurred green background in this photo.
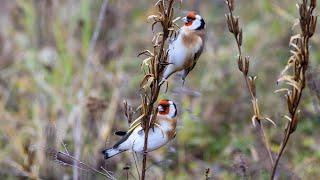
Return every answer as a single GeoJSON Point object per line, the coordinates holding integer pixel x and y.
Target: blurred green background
{"type": "Point", "coordinates": [50, 96]}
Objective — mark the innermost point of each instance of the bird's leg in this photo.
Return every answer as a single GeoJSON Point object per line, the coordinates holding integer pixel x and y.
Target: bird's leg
{"type": "Point", "coordinates": [183, 80]}
{"type": "Point", "coordinates": [184, 75]}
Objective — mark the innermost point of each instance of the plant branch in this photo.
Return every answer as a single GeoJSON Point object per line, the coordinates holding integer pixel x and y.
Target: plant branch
{"type": "Point", "coordinates": [298, 62]}
{"type": "Point", "coordinates": [155, 65]}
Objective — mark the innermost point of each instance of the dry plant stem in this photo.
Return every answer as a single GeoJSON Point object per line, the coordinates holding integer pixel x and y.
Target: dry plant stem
{"type": "Point", "coordinates": [298, 62]}
{"type": "Point", "coordinates": [150, 96]}
{"type": "Point", "coordinates": [78, 109]}
{"type": "Point", "coordinates": [77, 143]}
{"type": "Point", "coordinates": [243, 63]}
{"type": "Point", "coordinates": [93, 42]}
{"type": "Point", "coordinates": [134, 154]}
{"type": "Point", "coordinates": [67, 159]}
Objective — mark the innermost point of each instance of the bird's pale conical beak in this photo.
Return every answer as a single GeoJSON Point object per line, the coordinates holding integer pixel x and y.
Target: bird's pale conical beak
{"type": "Point", "coordinates": [184, 19]}
{"type": "Point", "coordinates": [160, 109]}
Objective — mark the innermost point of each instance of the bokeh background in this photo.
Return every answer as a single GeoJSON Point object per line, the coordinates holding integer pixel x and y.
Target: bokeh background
{"type": "Point", "coordinates": [51, 97]}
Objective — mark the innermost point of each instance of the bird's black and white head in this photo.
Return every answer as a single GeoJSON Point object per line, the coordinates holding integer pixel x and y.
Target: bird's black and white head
{"type": "Point", "coordinates": [193, 21]}
{"type": "Point", "coordinates": [167, 108]}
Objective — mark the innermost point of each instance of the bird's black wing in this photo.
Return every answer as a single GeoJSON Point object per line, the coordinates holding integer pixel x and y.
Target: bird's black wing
{"type": "Point", "coordinates": [120, 133]}
{"type": "Point", "coordinates": [124, 138]}
{"type": "Point", "coordinates": [194, 62]}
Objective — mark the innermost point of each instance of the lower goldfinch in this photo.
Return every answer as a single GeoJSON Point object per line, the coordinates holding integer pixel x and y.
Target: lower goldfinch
{"type": "Point", "coordinates": [164, 131]}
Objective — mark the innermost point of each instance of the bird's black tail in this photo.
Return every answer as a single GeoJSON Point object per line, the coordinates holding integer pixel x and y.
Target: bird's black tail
{"type": "Point", "coordinates": [108, 153]}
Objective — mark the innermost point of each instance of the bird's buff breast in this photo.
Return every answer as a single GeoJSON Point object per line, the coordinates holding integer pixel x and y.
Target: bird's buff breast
{"type": "Point", "coordinates": [183, 49]}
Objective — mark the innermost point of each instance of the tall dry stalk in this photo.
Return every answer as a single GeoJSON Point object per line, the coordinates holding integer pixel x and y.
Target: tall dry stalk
{"type": "Point", "coordinates": [82, 93]}
{"type": "Point", "coordinates": [297, 64]}
{"type": "Point", "coordinates": [294, 74]}
{"type": "Point", "coordinates": [154, 65]}
{"type": "Point", "coordinates": [78, 111]}
{"type": "Point", "coordinates": [244, 66]}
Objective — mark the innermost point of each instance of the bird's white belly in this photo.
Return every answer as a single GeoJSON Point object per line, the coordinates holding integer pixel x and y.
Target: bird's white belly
{"type": "Point", "coordinates": [178, 53]}
{"type": "Point", "coordinates": [155, 140]}
{"type": "Point", "coordinates": [135, 142]}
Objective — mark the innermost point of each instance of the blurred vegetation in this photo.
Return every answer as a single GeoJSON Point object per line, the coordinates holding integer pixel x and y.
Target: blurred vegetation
{"type": "Point", "coordinates": [44, 48]}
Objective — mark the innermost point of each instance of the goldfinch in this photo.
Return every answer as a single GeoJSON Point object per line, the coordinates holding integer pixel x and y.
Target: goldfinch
{"type": "Point", "coordinates": [163, 132]}
{"type": "Point", "coordinates": [185, 50]}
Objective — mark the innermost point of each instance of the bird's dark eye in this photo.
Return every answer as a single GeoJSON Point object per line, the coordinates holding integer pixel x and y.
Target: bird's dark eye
{"type": "Point", "coordinates": [163, 108]}
{"type": "Point", "coordinates": [190, 18]}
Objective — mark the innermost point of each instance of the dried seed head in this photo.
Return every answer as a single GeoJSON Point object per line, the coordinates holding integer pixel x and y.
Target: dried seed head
{"type": "Point", "coordinates": [239, 37]}
{"type": "Point", "coordinates": [313, 25]}
{"type": "Point", "coordinates": [313, 3]}
{"type": "Point", "coordinates": [254, 119]}
{"type": "Point", "coordinates": [246, 65]}
{"type": "Point", "coordinates": [240, 63]}
{"type": "Point", "coordinates": [302, 10]}
{"type": "Point", "coordinates": [230, 3]}
{"type": "Point", "coordinates": [229, 23]}
{"type": "Point", "coordinates": [236, 25]}
{"type": "Point", "coordinates": [252, 84]}
{"type": "Point", "coordinates": [270, 120]}
{"type": "Point", "coordinates": [294, 124]}
{"type": "Point", "coordinates": [289, 103]}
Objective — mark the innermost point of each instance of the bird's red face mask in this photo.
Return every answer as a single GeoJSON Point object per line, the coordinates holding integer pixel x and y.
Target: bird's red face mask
{"type": "Point", "coordinates": [163, 107]}
{"type": "Point", "coordinates": [191, 16]}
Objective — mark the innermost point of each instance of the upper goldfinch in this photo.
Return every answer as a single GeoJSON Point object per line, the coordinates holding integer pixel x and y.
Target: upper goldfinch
{"type": "Point", "coordinates": [185, 50]}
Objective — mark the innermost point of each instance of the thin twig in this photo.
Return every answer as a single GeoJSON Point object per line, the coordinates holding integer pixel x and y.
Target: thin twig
{"type": "Point", "coordinates": [135, 163]}
{"type": "Point", "coordinates": [65, 147]}
{"type": "Point", "coordinates": [107, 172]}
{"type": "Point", "coordinates": [77, 139]}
